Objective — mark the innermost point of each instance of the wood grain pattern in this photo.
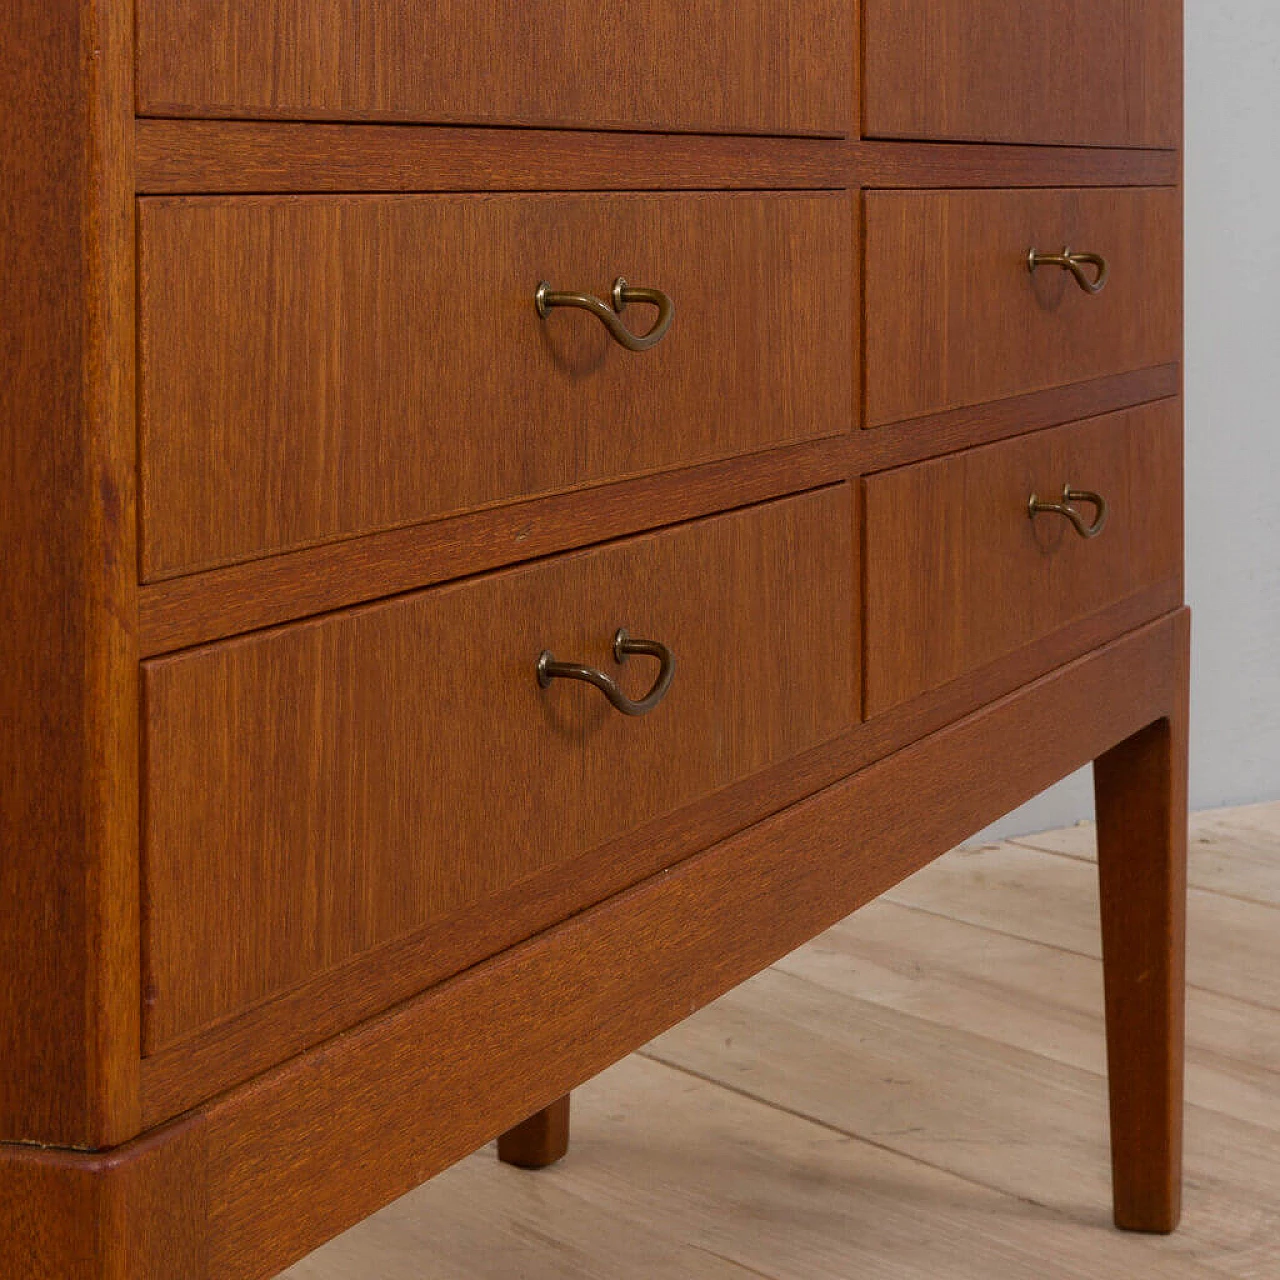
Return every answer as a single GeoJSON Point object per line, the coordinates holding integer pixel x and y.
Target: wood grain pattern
{"type": "Point", "coordinates": [764, 68]}
{"type": "Point", "coordinates": [953, 317]}
{"type": "Point", "coordinates": [314, 369]}
{"type": "Point", "coordinates": [1141, 788]}
{"type": "Point", "coordinates": [180, 612]}
{"type": "Point", "coordinates": [229, 1053]}
{"type": "Point", "coordinates": [540, 1140]}
{"type": "Point", "coordinates": [1088, 72]}
{"type": "Point", "coordinates": [68, 696]}
{"type": "Point", "coordinates": [319, 1144]}
{"type": "Point", "coordinates": [301, 809]}
{"type": "Point", "coordinates": [176, 157]}
{"type": "Point", "coordinates": [940, 433]}
{"type": "Point", "coordinates": [394, 900]}
{"type": "Point", "coordinates": [957, 574]}
{"type": "Point", "coordinates": [269, 1171]}
{"type": "Point", "coordinates": [136, 1213]}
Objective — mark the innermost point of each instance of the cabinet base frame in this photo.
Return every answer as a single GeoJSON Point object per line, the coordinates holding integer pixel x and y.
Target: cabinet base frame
{"type": "Point", "coordinates": [250, 1182]}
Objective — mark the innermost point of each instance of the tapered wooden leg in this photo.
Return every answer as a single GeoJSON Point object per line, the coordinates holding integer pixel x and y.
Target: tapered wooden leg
{"type": "Point", "coordinates": [1142, 847]}
{"type": "Point", "coordinates": [541, 1140]}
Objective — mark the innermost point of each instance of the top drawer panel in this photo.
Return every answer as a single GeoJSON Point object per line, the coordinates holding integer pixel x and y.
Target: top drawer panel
{"type": "Point", "coordinates": [1082, 72]}
{"type": "Point", "coordinates": [753, 67]}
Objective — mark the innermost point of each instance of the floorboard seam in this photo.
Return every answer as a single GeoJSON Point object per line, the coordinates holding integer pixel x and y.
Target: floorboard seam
{"type": "Point", "coordinates": [650, 1056]}
{"type": "Point", "coordinates": [1093, 862]}
{"type": "Point", "coordinates": [1069, 951]}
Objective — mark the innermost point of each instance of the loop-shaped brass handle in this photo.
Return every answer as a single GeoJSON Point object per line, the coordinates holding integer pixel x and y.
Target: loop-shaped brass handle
{"type": "Point", "coordinates": [1076, 264]}
{"type": "Point", "coordinates": [624, 647]}
{"type": "Point", "coordinates": [1036, 507]}
{"type": "Point", "coordinates": [546, 298]}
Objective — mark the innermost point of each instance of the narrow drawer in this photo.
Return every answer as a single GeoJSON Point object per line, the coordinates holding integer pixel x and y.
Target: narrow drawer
{"type": "Point", "coordinates": [317, 368]}
{"type": "Point", "coordinates": [316, 791]}
{"type": "Point", "coordinates": [955, 316]}
{"type": "Point", "coordinates": [958, 574]}
{"type": "Point", "coordinates": [756, 66]}
{"type": "Point", "coordinates": [1087, 72]}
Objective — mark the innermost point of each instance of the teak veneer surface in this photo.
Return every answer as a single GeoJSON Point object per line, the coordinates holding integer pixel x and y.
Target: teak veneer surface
{"type": "Point", "coordinates": [269, 1171]}
{"type": "Point", "coordinates": [176, 613]}
{"type": "Point", "coordinates": [352, 896]}
{"type": "Point", "coordinates": [957, 573]}
{"type": "Point", "coordinates": [1091, 72]}
{"type": "Point", "coordinates": [68, 696]}
{"type": "Point", "coordinates": [314, 368]}
{"type": "Point", "coordinates": [954, 317]}
{"type": "Point", "coordinates": [228, 1053]}
{"type": "Point", "coordinates": [757, 67]}
{"type": "Point", "coordinates": [250, 156]}
{"type": "Point", "coordinates": [320, 791]}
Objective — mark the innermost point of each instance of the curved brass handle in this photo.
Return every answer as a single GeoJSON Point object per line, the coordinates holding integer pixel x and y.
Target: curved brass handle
{"type": "Point", "coordinates": [623, 648]}
{"type": "Point", "coordinates": [1036, 507]}
{"type": "Point", "coordinates": [1075, 263]}
{"type": "Point", "coordinates": [623, 294]}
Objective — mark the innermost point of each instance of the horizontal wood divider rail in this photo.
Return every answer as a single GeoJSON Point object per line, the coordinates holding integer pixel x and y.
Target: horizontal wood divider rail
{"type": "Point", "coordinates": [917, 439]}
{"type": "Point", "coordinates": [228, 1054]}
{"type": "Point", "coordinates": [182, 612]}
{"type": "Point", "coordinates": [194, 156]}
{"type": "Point", "coordinates": [248, 1184]}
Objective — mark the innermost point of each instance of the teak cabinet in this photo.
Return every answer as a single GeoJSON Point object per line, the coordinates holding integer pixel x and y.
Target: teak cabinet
{"type": "Point", "coordinates": [512, 521]}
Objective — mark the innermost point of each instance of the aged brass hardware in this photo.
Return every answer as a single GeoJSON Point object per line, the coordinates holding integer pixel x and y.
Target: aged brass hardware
{"type": "Point", "coordinates": [1076, 264]}
{"type": "Point", "coordinates": [623, 295]}
{"type": "Point", "coordinates": [624, 647]}
{"type": "Point", "coordinates": [1036, 507]}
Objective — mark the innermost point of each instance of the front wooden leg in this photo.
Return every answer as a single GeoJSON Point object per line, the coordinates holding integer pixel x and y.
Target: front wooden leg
{"type": "Point", "coordinates": [1141, 792]}
{"type": "Point", "coordinates": [541, 1140]}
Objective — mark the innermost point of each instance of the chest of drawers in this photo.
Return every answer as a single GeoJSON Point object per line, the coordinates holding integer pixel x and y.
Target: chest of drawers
{"type": "Point", "coordinates": [513, 521]}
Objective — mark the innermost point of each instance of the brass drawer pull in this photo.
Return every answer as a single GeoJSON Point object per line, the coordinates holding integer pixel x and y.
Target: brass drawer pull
{"type": "Point", "coordinates": [624, 647]}
{"type": "Point", "coordinates": [623, 295]}
{"type": "Point", "coordinates": [1064, 508]}
{"type": "Point", "coordinates": [1076, 264]}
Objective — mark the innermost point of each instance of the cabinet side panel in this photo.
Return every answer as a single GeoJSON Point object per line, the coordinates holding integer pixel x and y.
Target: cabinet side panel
{"type": "Point", "coordinates": [68, 755]}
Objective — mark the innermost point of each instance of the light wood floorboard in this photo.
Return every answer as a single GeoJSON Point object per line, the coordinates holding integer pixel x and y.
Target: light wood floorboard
{"type": "Point", "coordinates": [919, 1092]}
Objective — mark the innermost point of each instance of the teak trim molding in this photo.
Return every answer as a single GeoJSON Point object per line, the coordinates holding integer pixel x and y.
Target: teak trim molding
{"type": "Point", "coordinates": [68, 647]}
{"type": "Point", "coordinates": [180, 612]}
{"type": "Point", "coordinates": [249, 1183]}
{"type": "Point", "coordinates": [178, 157]}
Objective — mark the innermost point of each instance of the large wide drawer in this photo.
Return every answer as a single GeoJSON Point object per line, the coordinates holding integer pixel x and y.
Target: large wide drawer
{"type": "Point", "coordinates": [955, 315]}
{"type": "Point", "coordinates": [752, 67]}
{"type": "Point", "coordinates": [1088, 72]}
{"type": "Point", "coordinates": [317, 368]}
{"type": "Point", "coordinates": [316, 791]}
{"type": "Point", "coordinates": [958, 573]}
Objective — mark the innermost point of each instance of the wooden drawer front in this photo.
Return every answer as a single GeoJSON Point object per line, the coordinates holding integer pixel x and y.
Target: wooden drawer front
{"type": "Point", "coordinates": [316, 368]}
{"type": "Point", "coordinates": [1088, 72]}
{"type": "Point", "coordinates": [316, 791]}
{"type": "Point", "coordinates": [754, 67]}
{"type": "Point", "coordinates": [955, 317]}
{"type": "Point", "coordinates": [958, 574]}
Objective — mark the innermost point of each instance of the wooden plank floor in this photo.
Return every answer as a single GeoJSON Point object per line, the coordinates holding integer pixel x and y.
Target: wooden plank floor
{"type": "Point", "coordinates": [917, 1093]}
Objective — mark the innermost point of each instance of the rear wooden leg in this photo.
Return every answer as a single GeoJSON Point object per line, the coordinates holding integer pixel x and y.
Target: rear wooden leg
{"type": "Point", "coordinates": [1141, 792]}
{"type": "Point", "coordinates": [541, 1140]}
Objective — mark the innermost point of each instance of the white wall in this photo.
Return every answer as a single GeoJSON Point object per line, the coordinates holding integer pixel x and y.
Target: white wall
{"type": "Point", "coordinates": [1233, 414]}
